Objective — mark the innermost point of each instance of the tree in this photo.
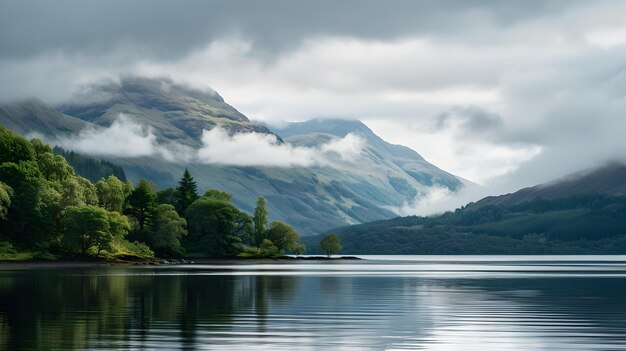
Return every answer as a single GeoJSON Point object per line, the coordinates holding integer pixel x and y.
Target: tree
{"type": "Point", "coordinates": [330, 245]}
{"type": "Point", "coordinates": [86, 227]}
{"type": "Point", "coordinates": [5, 200]}
{"type": "Point", "coordinates": [14, 148]}
{"type": "Point", "coordinates": [187, 192]}
{"type": "Point", "coordinates": [283, 236]}
{"type": "Point", "coordinates": [24, 218]}
{"type": "Point", "coordinates": [111, 194]}
{"type": "Point", "coordinates": [214, 227]}
{"type": "Point", "coordinates": [218, 195]}
{"type": "Point", "coordinates": [167, 196]}
{"type": "Point", "coordinates": [141, 201]}
{"type": "Point", "coordinates": [77, 191]}
{"type": "Point", "coordinates": [166, 231]}
{"type": "Point", "coordinates": [52, 167]}
{"type": "Point", "coordinates": [260, 220]}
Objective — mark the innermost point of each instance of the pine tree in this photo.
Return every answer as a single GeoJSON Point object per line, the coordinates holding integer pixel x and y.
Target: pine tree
{"type": "Point", "coordinates": [260, 220]}
{"type": "Point", "coordinates": [187, 192]}
{"type": "Point", "coordinates": [141, 201]}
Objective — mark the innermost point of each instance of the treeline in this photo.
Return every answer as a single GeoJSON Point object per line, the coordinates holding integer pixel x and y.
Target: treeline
{"type": "Point", "coordinates": [47, 209]}
{"type": "Point", "coordinates": [90, 168]}
{"type": "Point", "coordinates": [578, 224]}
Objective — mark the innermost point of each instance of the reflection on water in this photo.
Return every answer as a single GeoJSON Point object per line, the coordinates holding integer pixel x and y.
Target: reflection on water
{"type": "Point", "coordinates": [383, 303]}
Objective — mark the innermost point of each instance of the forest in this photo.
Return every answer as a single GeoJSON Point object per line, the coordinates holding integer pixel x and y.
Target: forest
{"type": "Point", "coordinates": [586, 223]}
{"type": "Point", "coordinates": [48, 210]}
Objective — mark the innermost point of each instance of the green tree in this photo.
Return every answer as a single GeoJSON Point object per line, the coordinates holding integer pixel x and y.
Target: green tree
{"type": "Point", "coordinates": [330, 245]}
{"type": "Point", "coordinates": [167, 230]}
{"type": "Point", "coordinates": [141, 202]}
{"type": "Point", "coordinates": [167, 196]}
{"type": "Point", "coordinates": [14, 148]}
{"type": "Point", "coordinates": [86, 227]}
{"type": "Point", "coordinates": [77, 191]}
{"type": "Point", "coordinates": [53, 167]}
{"type": "Point", "coordinates": [111, 194]}
{"type": "Point", "coordinates": [218, 195]}
{"type": "Point", "coordinates": [283, 236]}
{"type": "Point", "coordinates": [5, 200]}
{"type": "Point", "coordinates": [260, 220]}
{"type": "Point", "coordinates": [187, 192]}
{"type": "Point", "coordinates": [24, 218]}
{"type": "Point", "coordinates": [214, 227]}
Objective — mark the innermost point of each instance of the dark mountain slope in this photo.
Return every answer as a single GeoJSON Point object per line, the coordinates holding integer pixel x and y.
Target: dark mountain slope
{"type": "Point", "coordinates": [34, 116]}
{"type": "Point", "coordinates": [609, 180]}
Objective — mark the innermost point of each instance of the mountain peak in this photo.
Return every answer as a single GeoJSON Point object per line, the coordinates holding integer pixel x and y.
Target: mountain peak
{"type": "Point", "coordinates": [336, 127]}
{"type": "Point", "coordinates": [176, 111]}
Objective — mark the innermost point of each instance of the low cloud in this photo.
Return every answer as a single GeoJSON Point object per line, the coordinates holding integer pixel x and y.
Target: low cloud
{"type": "Point", "coordinates": [260, 149]}
{"type": "Point", "coordinates": [438, 199]}
{"type": "Point", "coordinates": [125, 138]}
{"type": "Point", "coordinates": [122, 138]}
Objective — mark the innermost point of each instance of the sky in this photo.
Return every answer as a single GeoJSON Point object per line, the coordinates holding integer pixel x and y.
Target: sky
{"type": "Point", "coordinates": [504, 93]}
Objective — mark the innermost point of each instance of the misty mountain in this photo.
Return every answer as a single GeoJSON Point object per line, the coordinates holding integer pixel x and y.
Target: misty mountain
{"type": "Point", "coordinates": [608, 180]}
{"type": "Point", "coordinates": [175, 112]}
{"type": "Point", "coordinates": [583, 213]}
{"type": "Point", "coordinates": [34, 116]}
{"type": "Point", "coordinates": [378, 178]}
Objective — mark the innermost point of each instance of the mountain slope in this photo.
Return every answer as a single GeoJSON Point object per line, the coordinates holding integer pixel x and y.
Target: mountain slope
{"type": "Point", "coordinates": [336, 192]}
{"type": "Point", "coordinates": [609, 180]}
{"type": "Point", "coordinates": [584, 213]}
{"type": "Point", "coordinates": [34, 116]}
{"type": "Point", "coordinates": [175, 111]}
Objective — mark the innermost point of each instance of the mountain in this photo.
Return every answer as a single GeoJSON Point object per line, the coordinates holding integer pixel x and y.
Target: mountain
{"type": "Point", "coordinates": [609, 179]}
{"type": "Point", "coordinates": [583, 213]}
{"type": "Point", "coordinates": [411, 170]}
{"type": "Point", "coordinates": [377, 179]}
{"type": "Point", "coordinates": [175, 112]}
{"type": "Point", "coordinates": [34, 116]}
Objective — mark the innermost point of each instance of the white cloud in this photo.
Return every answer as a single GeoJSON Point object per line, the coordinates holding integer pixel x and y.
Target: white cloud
{"type": "Point", "coordinates": [122, 138]}
{"type": "Point", "coordinates": [125, 138]}
{"type": "Point", "coordinates": [259, 149]}
{"type": "Point", "coordinates": [438, 199]}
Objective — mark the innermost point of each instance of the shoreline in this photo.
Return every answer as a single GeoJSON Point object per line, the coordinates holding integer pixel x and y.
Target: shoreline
{"type": "Point", "coordinates": [91, 263]}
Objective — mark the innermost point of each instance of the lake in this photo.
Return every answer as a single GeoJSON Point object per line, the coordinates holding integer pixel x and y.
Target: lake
{"type": "Point", "coordinates": [380, 303]}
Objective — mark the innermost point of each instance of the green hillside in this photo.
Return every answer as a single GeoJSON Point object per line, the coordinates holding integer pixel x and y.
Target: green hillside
{"type": "Point", "coordinates": [576, 224]}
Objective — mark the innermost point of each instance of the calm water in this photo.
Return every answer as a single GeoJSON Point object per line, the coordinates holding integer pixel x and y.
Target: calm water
{"type": "Point", "coordinates": [382, 303]}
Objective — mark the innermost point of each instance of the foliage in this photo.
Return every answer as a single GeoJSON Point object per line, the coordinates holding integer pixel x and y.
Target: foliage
{"type": "Point", "coordinates": [86, 227]}
{"type": "Point", "coordinates": [330, 245]}
{"type": "Point", "coordinates": [14, 148]}
{"type": "Point", "coordinates": [187, 192]}
{"type": "Point", "coordinates": [216, 227]}
{"type": "Point", "coordinates": [283, 236]}
{"type": "Point", "coordinates": [268, 249]}
{"type": "Point", "coordinates": [218, 195]}
{"type": "Point", "coordinates": [24, 219]}
{"type": "Point", "coordinates": [111, 193]}
{"type": "Point", "coordinates": [141, 202]}
{"type": "Point", "coordinates": [557, 226]}
{"type": "Point", "coordinates": [166, 231]}
{"type": "Point", "coordinates": [168, 196]}
{"type": "Point", "coordinates": [5, 199]}
{"type": "Point", "coordinates": [46, 208]}
{"type": "Point", "coordinates": [91, 168]}
{"type": "Point", "coordinates": [260, 220]}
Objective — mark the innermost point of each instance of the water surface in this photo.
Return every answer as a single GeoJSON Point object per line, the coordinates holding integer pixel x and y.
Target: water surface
{"type": "Point", "coordinates": [381, 303]}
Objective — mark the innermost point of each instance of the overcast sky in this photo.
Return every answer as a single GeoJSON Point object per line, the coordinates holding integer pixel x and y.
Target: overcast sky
{"type": "Point", "coordinates": [504, 93]}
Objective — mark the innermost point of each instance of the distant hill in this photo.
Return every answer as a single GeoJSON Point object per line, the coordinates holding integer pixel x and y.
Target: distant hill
{"type": "Point", "coordinates": [609, 180]}
{"type": "Point", "coordinates": [314, 199]}
{"type": "Point", "coordinates": [584, 213]}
